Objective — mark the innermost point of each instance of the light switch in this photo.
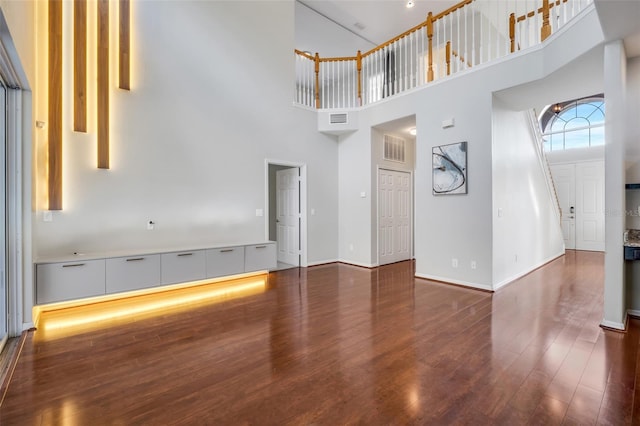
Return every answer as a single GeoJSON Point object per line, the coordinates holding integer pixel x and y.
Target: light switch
{"type": "Point", "coordinates": [259, 212]}
{"type": "Point", "coordinates": [313, 212]}
{"type": "Point", "coordinates": [363, 194]}
{"type": "Point", "coordinates": [47, 216]}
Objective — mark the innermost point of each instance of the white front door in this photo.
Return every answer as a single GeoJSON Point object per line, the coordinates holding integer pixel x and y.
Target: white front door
{"type": "Point", "coordinates": [288, 215]}
{"type": "Point", "coordinates": [564, 178]}
{"type": "Point", "coordinates": [394, 216]}
{"type": "Point", "coordinates": [590, 206]}
{"type": "Point", "coordinates": [580, 190]}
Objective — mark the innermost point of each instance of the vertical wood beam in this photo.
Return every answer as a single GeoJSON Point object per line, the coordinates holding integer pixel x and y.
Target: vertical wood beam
{"type": "Point", "coordinates": [512, 32]}
{"type": "Point", "coordinates": [80, 65]}
{"type": "Point", "coordinates": [55, 105]}
{"type": "Point", "coordinates": [125, 44]}
{"type": "Point", "coordinates": [430, 46]}
{"type": "Point", "coordinates": [359, 69]}
{"type": "Point", "coordinates": [317, 83]}
{"type": "Point", "coordinates": [448, 57]}
{"type": "Point", "coordinates": [545, 31]}
{"type": "Point", "coordinates": [103, 84]}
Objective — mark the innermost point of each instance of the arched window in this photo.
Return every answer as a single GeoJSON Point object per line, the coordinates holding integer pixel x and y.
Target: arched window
{"type": "Point", "coordinates": [574, 124]}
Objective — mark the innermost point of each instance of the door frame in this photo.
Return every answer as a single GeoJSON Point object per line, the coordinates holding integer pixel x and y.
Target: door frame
{"type": "Point", "coordinates": [411, 209]}
{"type": "Point", "coordinates": [303, 203]}
{"type": "Point", "coordinates": [575, 163]}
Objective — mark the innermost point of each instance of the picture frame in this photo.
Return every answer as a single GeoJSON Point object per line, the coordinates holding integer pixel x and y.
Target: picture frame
{"type": "Point", "coordinates": [449, 165]}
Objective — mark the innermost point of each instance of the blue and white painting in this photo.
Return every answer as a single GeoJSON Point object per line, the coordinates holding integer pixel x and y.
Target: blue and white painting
{"type": "Point", "coordinates": [450, 169]}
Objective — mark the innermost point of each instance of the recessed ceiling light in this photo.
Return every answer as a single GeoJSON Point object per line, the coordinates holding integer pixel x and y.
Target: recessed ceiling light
{"type": "Point", "coordinates": [410, 4]}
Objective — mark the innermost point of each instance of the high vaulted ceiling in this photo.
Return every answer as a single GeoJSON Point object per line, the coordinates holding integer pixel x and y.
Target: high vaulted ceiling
{"type": "Point", "coordinates": [377, 20]}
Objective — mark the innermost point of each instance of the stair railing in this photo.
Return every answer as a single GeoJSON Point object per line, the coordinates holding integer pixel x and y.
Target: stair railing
{"type": "Point", "coordinates": [538, 143]}
{"type": "Point", "coordinates": [473, 31]}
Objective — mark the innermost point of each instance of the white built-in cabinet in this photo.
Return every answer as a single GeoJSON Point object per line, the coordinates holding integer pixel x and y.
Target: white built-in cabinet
{"type": "Point", "coordinates": [225, 261]}
{"type": "Point", "coordinates": [58, 281]}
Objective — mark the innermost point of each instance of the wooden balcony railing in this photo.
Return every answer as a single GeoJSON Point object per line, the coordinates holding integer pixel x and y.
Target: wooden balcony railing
{"type": "Point", "coordinates": [467, 34]}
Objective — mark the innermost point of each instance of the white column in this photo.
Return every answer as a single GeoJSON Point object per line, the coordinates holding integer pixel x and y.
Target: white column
{"type": "Point", "coordinates": [615, 82]}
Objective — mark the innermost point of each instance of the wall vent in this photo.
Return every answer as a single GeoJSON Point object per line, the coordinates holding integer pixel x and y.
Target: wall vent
{"type": "Point", "coordinates": [394, 149]}
{"type": "Point", "coordinates": [338, 118]}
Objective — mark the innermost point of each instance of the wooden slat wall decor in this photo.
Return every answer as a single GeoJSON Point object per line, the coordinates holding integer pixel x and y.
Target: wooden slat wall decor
{"type": "Point", "coordinates": [125, 43]}
{"type": "Point", "coordinates": [103, 84]}
{"type": "Point", "coordinates": [80, 65]}
{"type": "Point", "coordinates": [55, 105]}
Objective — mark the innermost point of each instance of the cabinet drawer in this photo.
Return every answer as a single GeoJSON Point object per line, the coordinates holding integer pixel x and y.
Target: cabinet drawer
{"type": "Point", "coordinates": [225, 261]}
{"type": "Point", "coordinates": [56, 282]}
{"type": "Point", "coordinates": [183, 266]}
{"type": "Point", "coordinates": [132, 273]}
{"type": "Point", "coordinates": [260, 256]}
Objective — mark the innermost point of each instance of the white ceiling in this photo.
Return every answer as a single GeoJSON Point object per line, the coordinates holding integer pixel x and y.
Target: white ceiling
{"type": "Point", "coordinates": [382, 19]}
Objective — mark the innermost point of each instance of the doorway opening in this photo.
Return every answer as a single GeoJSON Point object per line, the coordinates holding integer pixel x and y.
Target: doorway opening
{"type": "Point", "coordinates": [395, 218]}
{"type": "Point", "coordinates": [580, 188]}
{"type": "Point", "coordinates": [286, 221]}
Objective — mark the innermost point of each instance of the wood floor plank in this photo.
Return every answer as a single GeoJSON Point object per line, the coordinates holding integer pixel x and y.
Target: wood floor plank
{"type": "Point", "coordinates": [338, 344]}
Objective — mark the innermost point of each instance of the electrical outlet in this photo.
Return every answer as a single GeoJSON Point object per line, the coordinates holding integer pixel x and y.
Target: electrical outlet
{"type": "Point", "coordinates": [150, 225]}
{"type": "Point", "coordinates": [454, 263]}
{"type": "Point", "coordinates": [350, 247]}
{"type": "Point", "coordinates": [47, 216]}
{"type": "Point", "coordinates": [473, 264]}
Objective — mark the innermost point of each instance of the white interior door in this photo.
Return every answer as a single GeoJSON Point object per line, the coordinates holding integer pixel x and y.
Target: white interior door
{"type": "Point", "coordinates": [590, 206]}
{"type": "Point", "coordinates": [564, 177]}
{"type": "Point", "coordinates": [288, 215]}
{"type": "Point", "coordinates": [394, 216]}
{"type": "Point", "coordinates": [580, 190]}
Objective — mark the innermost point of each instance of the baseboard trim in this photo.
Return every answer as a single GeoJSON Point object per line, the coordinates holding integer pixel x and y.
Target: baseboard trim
{"type": "Point", "coordinates": [361, 265]}
{"type": "Point", "coordinates": [615, 326]}
{"type": "Point", "coordinates": [633, 313]}
{"type": "Point", "coordinates": [455, 282]}
{"type": "Point", "coordinates": [522, 274]}
{"type": "Point", "coordinates": [7, 373]}
{"type": "Point", "coordinates": [322, 262]}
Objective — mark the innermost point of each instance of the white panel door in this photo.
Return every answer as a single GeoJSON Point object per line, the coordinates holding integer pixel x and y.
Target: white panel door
{"type": "Point", "coordinates": [394, 216]}
{"type": "Point", "coordinates": [564, 177]}
{"type": "Point", "coordinates": [288, 215]}
{"type": "Point", "coordinates": [590, 206]}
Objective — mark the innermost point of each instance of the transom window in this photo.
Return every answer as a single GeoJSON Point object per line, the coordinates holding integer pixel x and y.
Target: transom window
{"type": "Point", "coordinates": [574, 124]}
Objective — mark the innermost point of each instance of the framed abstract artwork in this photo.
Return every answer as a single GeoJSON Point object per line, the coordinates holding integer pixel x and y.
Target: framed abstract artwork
{"type": "Point", "coordinates": [450, 169]}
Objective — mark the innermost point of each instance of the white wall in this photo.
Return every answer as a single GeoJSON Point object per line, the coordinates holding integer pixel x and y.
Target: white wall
{"type": "Point", "coordinates": [460, 226]}
{"type": "Point", "coordinates": [315, 33]}
{"type": "Point", "coordinates": [210, 101]}
{"type": "Point", "coordinates": [378, 162]}
{"type": "Point", "coordinates": [576, 155]}
{"type": "Point", "coordinates": [354, 175]}
{"type": "Point", "coordinates": [21, 20]}
{"type": "Point", "coordinates": [527, 234]}
{"type": "Point", "coordinates": [615, 79]}
{"type": "Point", "coordinates": [632, 148]}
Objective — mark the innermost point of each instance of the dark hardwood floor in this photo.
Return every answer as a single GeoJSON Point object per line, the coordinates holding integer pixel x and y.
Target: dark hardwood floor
{"type": "Point", "coordinates": [338, 344]}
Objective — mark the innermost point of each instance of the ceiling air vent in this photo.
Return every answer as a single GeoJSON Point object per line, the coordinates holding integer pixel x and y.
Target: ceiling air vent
{"type": "Point", "coordinates": [338, 118]}
{"type": "Point", "coordinates": [393, 149]}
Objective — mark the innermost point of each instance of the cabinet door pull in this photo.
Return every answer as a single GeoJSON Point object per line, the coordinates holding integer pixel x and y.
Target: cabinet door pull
{"type": "Point", "coordinates": [135, 259]}
{"type": "Point", "coordinates": [260, 247]}
{"type": "Point", "coordinates": [73, 265]}
{"type": "Point", "coordinates": [185, 254]}
{"type": "Point", "coordinates": [226, 251]}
